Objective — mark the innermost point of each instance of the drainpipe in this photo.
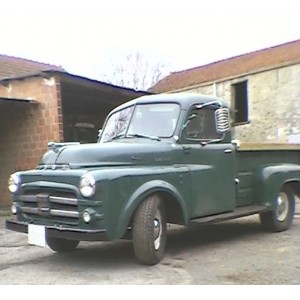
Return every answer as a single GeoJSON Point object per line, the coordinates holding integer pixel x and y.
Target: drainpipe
{"type": "Point", "coordinates": [214, 89]}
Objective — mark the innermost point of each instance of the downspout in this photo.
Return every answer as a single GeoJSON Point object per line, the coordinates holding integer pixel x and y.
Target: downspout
{"type": "Point", "coordinates": [214, 89]}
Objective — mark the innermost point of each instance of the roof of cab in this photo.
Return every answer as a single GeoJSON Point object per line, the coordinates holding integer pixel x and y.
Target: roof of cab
{"type": "Point", "coordinates": [184, 99]}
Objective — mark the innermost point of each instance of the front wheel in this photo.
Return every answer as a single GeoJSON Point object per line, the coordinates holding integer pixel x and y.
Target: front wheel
{"type": "Point", "coordinates": [150, 230]}
{"type": "Point", "coordinates": [281, 218]}
{"type": "Point", "coordinates": [61, 245]}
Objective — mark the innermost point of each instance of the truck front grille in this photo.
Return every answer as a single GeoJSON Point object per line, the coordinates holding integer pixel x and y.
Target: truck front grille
{"type": "Point", "coordinates": [50, 204]}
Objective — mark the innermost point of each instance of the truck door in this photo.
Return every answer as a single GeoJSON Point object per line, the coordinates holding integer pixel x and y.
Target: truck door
{"type": "Point", "coordinates": [211, 161]}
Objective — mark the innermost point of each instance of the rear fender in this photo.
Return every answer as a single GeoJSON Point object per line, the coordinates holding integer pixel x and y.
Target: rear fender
{"type": "Point", "coordinates": [269, 180]}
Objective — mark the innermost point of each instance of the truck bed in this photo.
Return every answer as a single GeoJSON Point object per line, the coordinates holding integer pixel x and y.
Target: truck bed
{"type": "Point", "coordinates": [252, 156]}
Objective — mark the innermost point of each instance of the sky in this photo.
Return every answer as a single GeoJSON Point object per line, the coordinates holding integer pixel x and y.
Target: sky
{"type": "Point", "coordinates": [89, 37]}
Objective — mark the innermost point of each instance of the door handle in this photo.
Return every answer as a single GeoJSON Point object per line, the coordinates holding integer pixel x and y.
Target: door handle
{"type": "Point", "coordinates": [228, 151]}
{"type": "Point", "coordinates": [187, 150]}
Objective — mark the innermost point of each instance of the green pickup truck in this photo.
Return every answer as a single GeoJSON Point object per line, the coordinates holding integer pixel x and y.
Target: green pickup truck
{"type": "Point", "coordinates": [159, 159]}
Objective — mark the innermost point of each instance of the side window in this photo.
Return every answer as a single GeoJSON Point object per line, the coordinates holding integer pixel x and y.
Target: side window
{"type": "Point", "coordinates": [202, 125]}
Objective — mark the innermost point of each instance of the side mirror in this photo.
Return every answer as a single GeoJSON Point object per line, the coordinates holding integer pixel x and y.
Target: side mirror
{"type": "Point", "coordinates": [222, 120]}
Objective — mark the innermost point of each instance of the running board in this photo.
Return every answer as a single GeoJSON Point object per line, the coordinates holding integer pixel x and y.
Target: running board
{"type": "Point", "coordinates": [238, 213]}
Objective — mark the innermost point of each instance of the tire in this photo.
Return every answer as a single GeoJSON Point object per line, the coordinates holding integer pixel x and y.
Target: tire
{"type": "Point", "coordinates": [281, 218]}
{"type": "Point", "coordinates": [150, 231]}
{"type": "Point", "coordinates": [61, 245]}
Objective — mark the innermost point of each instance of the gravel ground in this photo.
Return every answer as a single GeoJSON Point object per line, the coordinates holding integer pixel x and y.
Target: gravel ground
{"type": "Point", "coordinates": [236, 252]}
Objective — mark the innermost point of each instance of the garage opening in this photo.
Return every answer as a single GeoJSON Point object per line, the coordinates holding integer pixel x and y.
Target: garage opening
{"type": "Point", "coordinates": [85, 104]}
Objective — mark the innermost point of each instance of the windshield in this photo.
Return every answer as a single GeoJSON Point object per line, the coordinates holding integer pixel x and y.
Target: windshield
{"type": "Point", "coordinates": [143, 120]}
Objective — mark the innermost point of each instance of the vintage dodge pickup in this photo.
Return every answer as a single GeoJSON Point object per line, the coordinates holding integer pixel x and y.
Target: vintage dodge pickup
{"type": "Point", "coordinates": [159, 159]}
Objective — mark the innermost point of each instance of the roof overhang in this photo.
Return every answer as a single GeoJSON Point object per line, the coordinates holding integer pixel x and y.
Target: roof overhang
{"type": "Point", "coordinates": [17, 101]}
{"type": "Point", "coordinates": [88, 82]}
{"type": "Point", "coordinates": [67, 77]}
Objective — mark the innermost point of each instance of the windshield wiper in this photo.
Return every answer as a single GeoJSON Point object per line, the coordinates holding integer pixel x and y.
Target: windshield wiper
{"type": "Point", "coordinates": [118, 136]}
{"type": "Point", "coordinates": [138, 135]}
{"type": "Point", "coordinates": [156, 138]}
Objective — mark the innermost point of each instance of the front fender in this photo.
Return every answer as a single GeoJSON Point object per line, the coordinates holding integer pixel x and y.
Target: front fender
{"type": "Point", "coordinates": [268, 181]}
{"type": "Point", "coordinates": [140, 194]}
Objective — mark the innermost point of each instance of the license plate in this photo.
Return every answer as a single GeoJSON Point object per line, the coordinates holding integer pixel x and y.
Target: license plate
{"type": "Point", "coordinates": [37, 235]}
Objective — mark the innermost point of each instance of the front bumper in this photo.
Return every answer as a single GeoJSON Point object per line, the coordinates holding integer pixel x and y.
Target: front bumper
{"type": "Point", "coordinates": [60, 232]}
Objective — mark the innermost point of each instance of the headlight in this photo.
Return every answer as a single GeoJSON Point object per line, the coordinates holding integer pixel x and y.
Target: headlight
{"type": "Point", "coordinates": [14, 183]}
{"type": "Point", "coordinates": [87, 185]}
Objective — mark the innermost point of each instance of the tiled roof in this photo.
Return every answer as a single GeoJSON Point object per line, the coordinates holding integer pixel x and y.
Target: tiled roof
{"type": "Point", "coordinates": [11, 67]}
{"type": "Point", "coordinates": [235, 66]}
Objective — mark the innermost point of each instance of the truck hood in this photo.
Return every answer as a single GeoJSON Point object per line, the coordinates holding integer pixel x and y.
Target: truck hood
{"type": "Point", "coordinates": [109, 154]}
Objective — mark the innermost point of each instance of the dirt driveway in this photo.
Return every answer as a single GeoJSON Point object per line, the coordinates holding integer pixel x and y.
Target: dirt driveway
{"type": "Point", "coordinates": [233, 252]}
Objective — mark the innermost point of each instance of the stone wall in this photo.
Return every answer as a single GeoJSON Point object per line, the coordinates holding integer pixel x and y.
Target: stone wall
{"type": "Point", "coordinates": [273, 103]}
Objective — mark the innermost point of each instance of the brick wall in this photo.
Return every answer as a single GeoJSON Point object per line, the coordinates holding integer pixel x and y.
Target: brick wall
{"type": "Point", "coordinates": [25, 129]}
{"type": "Point", "coordinates": [274, 103]}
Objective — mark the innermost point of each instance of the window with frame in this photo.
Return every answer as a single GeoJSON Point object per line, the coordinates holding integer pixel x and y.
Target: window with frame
{"type": "Point", "coordinates": [240, 103]}
{"type": "Point", "coordinates": [202, 125]}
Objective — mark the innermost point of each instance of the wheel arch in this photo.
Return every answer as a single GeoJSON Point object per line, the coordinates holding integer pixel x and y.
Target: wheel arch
{"type": "Point", "coordinates": [269, 181]}
{"type": "Point", "coordinates": [176, 209]}
{"type": "Point", "coordinates": [295, 185]}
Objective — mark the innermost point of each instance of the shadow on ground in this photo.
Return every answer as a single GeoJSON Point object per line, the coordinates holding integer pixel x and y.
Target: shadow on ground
{"type": "Point", "coordinates": [180, 240]}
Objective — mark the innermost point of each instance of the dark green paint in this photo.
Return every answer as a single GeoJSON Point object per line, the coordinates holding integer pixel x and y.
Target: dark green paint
{"type": "Point", "coordinates": [197, 180]}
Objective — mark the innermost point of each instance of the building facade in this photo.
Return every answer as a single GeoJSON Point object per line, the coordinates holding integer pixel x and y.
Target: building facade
{"type": "Point", "coordinates": [262, 89]}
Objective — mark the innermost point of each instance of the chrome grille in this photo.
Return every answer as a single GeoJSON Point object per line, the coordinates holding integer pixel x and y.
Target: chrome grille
{"type": "Point", "coordinates": [47, 204]}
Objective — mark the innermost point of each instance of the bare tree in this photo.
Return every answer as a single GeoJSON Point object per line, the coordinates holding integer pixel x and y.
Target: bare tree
{"type": "Point", "coordinates": [136, 72]}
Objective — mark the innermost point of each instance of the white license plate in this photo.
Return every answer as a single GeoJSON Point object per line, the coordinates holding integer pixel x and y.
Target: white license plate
{"type": "Point", "coordinates": [37, 235]}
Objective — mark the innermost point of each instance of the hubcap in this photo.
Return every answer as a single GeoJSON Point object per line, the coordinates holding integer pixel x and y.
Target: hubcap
{"type": "Point", "coordinates": [157, 231]}
{"type": "Point", "coordinates": [282, 207]}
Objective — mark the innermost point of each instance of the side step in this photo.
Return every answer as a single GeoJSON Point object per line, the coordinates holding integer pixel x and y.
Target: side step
{"type": "Point", "coordinates": [238, 213]}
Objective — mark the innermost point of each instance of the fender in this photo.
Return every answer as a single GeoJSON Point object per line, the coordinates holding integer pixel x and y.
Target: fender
{"type": "Point", "coordinates": [268, 181]}
{"type": "Point", "coordinates": [139, 195]}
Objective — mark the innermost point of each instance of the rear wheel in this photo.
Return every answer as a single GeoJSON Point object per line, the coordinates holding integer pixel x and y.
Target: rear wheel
{"type": "Point", "coordinates": [61, 245]}
{"type": "Point", "coordinates": [150, 230]}
{"type": "Point", "coordinates": [281, 218]}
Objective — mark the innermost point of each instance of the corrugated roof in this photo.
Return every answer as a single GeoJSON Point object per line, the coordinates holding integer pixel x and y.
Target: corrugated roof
{"type": "Point", "coordinates": [255, 61]}
{"type": "Point", "coordinates": [11, 67]}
